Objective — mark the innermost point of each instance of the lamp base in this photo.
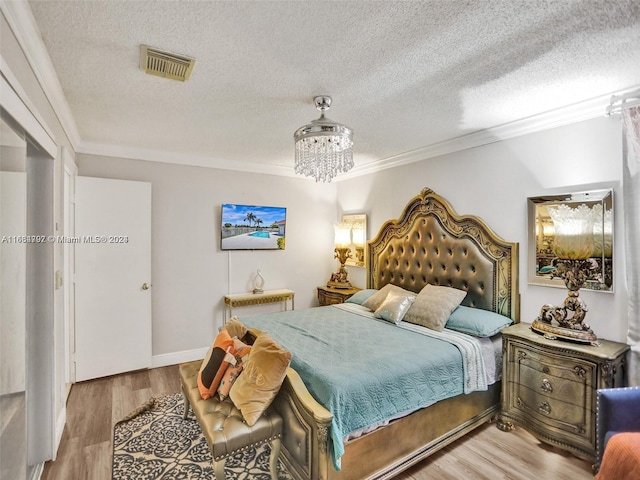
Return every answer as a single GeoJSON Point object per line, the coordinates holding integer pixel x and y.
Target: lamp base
{"type": "Point", "coordinates": [332, 284]}
{"type": "Point", "coordinates": [553, 332]}
{"type": "Point", "coordinates": [567, 322]}
{"type": "Point", "coordinates": [339, 279]}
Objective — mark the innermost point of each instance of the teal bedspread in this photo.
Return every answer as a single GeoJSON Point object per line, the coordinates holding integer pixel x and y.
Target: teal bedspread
{"type": "Point", "coordinates": [361, 369]}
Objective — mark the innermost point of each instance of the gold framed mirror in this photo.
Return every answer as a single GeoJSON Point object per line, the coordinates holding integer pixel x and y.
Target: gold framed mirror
{"type": "Point", "coordinates": [576, 225]}
{"type": "Point", "coordinates": [358, 225]}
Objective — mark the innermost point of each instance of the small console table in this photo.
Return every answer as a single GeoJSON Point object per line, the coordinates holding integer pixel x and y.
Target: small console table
{"type": "Point", "coordinates": [249, 299]}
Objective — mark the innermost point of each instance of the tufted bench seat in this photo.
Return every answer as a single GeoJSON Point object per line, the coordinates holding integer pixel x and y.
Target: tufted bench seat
{"type": "Point", "coordinates": [223, 426]}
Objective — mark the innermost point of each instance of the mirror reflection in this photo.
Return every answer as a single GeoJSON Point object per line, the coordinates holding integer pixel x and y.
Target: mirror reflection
{"type": "Point", "coordinates": [358, 226]}
{"type": "Point", "coordinates": [13, 304]}
{"type": "Point", "coordinates": [572, 226]}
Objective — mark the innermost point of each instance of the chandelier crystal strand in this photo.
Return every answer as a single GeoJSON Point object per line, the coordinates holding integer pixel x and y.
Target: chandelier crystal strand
{"type": "Point", "coordinates": [323, 148]}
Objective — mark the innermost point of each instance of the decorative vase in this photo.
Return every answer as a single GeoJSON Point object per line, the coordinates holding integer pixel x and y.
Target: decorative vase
{"type": "Point", "coordinates": [258, 283]}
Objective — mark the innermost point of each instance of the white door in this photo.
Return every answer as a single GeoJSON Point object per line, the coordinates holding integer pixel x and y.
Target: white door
{"type": "Point", "coordinates": [113, 276]}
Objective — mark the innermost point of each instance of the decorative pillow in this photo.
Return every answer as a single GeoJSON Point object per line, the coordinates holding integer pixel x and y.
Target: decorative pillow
{"type": "Point", "coordinates": [214, 365]}
{"type": "Point", "coordinates": [360, 297]}
{"type": "Point", "coordinates": [375, 300]}
{"type": "Point", "coordinates": [235, 328]}
{"type": "Point", "coordinates": [264, 370]}
{"type": "Point", "coordinates": [394, 307]}
{"type": "Point", "coordinates": [433, 306]}
{"type": "Point", "coordinates": [233, 370]}
{"type": "Point", "coordinates": [477, 322]}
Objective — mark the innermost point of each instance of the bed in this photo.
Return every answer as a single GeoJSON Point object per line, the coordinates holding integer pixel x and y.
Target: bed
{"type": "Point", "coordinates": [428, 244]}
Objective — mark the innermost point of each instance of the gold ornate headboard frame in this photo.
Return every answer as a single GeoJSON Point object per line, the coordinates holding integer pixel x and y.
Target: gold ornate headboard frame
{"type": "Point", "coordinates": [430, 243]}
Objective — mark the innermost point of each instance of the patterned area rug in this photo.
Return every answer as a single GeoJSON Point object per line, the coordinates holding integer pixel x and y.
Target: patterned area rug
{"type": "Point", "coordinates": [154, 443]}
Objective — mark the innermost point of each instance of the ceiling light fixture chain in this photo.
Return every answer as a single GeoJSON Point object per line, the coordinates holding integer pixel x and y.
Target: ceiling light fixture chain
{"type": "Point", "coordinates": [323, 148]}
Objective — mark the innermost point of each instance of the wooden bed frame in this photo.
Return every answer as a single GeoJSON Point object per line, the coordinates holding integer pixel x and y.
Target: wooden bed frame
{"type": "Point", "coordinates": [428, 243]}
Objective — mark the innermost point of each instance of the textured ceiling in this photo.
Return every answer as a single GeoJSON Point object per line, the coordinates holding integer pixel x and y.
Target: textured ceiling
{"type": "Point", "coordinates": [403, 75]}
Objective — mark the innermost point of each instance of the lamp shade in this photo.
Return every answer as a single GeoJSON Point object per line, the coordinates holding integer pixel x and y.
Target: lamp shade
{"type": "Point", "coordinates": [574, 226]}
{"type": "Point", "coordinates": [357, 235]}
{"type": "Point", "coordinates": [342, 235]}
{"type": "Point", "coordinates": [602, 232]}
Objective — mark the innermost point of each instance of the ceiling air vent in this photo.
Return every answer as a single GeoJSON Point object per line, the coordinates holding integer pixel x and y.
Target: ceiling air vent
{"type": "Point", "coordinates": [165, 64]}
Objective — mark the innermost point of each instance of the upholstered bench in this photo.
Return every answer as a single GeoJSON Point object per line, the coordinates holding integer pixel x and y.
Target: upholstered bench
{"type": "Point", "coordinates": [223, 426]}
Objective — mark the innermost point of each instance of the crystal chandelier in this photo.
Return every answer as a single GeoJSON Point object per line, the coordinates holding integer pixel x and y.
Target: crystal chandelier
{"type": "Point", "coordinates": [323, 147]}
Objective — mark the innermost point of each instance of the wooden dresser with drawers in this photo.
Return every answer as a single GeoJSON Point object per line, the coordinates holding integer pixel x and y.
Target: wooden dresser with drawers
{"type": "Point", "coordinates": [549, 387]}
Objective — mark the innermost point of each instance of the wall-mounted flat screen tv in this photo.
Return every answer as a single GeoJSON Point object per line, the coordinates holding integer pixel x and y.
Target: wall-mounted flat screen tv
{"type": "Point", "coordinates": [252, 227]}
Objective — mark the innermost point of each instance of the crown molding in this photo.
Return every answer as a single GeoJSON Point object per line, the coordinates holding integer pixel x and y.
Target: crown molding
{"type": "Point", "coordinates": [578, 112]}
{"type": "Point", "coordinates": [21, 21]}
{"type": "Point", "coordinates": [180, 158]}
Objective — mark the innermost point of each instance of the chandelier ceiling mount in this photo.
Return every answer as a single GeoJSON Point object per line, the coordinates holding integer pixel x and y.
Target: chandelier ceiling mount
{"type": "Point", "coordinates": [323, 147]}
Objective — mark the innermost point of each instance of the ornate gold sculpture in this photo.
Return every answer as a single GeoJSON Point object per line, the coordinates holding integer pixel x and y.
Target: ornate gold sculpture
{"type": "Point", "coordinates": [339, 279]}
{"type": "Point", "coordinates": [569, 318]}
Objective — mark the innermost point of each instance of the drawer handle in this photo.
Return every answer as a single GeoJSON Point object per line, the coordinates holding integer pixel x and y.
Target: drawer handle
{"type": "Point", "coordinates": [546, 386]}
{"type": "Point", "coordinates": [545, 369]}
{"type": "Point", "coordinates": [545, 408]}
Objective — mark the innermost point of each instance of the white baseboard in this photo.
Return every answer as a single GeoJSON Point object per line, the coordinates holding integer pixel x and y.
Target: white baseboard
{"type": "Point", "coordinates": [36, 474]}
{"type": "Point", "coordinates": [62, 420]}
{"type": "Point", "coordinates": [178, 357]}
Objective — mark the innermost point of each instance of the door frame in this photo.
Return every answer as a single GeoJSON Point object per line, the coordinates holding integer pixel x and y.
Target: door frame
{"type": "Point", "coordinates": [68, 254]}
{"type": "Point", "coordinates": [42, 150]}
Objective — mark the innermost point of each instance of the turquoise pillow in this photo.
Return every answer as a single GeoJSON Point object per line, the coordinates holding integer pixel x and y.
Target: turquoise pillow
{"type": "Point", "coordinates": [476, 322]}
{"type": "Point", "coordinates": [361, 297]}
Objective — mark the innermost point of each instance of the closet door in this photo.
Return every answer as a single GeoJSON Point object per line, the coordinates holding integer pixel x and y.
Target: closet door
{"type": "Point", "coordinates": [13, 283]}
{"type": "Point", "coordinates": [113, 277]}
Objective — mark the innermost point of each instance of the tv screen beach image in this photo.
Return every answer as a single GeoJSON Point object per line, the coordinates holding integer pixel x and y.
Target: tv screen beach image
{"type": "Point", "coordinates": [252, 227]}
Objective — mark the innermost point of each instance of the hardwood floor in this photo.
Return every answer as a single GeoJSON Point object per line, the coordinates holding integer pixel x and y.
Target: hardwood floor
{"type": "Point", "coordinates": [490, 454]}
{"type": "Point", "coordinates": [487, 453]}
{"type": "Point", "coordinates": [93, 408]}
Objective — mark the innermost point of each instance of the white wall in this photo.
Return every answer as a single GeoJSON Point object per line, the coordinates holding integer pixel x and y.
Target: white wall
{"type": "Point", "coordinates": [494, 181]}
{"type": "Point", "coordinates": [190, 274]}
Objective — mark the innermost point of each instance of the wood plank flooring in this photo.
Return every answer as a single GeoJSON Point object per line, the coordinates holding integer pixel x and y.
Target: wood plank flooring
{"type": "Point", "coordinates": [487, 453]}
{"type": "Point", "coordinates": [93, 408]}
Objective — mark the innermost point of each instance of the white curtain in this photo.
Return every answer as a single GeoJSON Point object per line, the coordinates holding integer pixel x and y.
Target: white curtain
{"type": "Point", "coordinates": [631, 193]}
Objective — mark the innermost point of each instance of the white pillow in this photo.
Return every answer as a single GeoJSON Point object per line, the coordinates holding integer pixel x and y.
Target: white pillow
{"type": "Point", "coordinates": [394, 307]}
{"type": "Point", "coordinates": [375, 300]}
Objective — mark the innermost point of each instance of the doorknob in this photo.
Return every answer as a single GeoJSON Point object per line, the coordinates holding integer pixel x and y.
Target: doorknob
{"type": "Point", "coordinates": [145, 286]}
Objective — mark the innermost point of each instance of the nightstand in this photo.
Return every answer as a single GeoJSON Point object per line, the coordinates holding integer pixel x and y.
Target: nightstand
{"type": "Point", "coordinates": [549, 387]}
{"type": "Point", "coordinates": [331, 296]}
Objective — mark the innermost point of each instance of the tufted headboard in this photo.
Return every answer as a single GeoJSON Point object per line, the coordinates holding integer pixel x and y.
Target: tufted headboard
{"type": "Point", "coordinates": [430, 243]}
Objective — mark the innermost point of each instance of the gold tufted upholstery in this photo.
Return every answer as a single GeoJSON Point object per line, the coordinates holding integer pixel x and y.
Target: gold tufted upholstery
{"type": "Point", "coordinates": [431, 244]}
{"type": "Point", "coordinates": [224, 428]}
{"type": "Point", "coordinates": [437, 258]}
